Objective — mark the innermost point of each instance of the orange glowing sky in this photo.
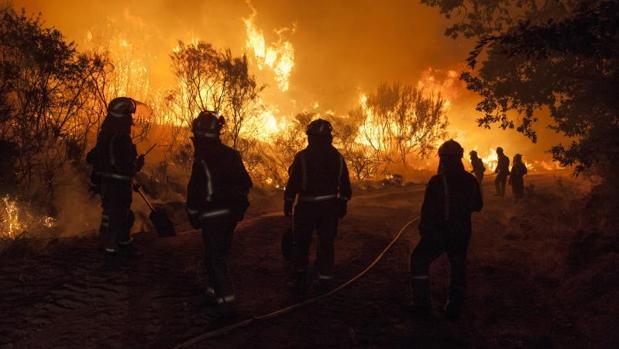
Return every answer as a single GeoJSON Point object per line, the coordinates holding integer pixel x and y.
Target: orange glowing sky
{"type": "Point", "coordinates": [341, 49]}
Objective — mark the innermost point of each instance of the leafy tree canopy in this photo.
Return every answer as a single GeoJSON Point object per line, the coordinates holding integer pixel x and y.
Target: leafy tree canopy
{"type": "Point", "coordinates": [560, 56]}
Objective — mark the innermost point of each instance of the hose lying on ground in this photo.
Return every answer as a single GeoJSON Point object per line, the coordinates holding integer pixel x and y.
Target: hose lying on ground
{"type": "Point", "coordinates": [288, 309]}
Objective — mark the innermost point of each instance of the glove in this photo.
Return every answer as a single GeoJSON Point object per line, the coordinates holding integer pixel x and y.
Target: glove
{"type": "Point", "coordinates": [139, 163]}
{"type": "Point", "coordinates": [288, 208]}
{"type": "Point", "coordinates": [194, 218]}
{"type": "Point", "coordinates": [342, 208]}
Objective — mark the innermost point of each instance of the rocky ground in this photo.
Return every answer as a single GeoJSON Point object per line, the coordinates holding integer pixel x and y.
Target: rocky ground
{"type": "Point", "coordinates": [523, 289]}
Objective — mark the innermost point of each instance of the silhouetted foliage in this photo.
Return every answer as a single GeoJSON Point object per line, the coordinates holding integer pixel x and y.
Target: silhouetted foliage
{"type": "Point", "coordinates": [45, 87]}
{"type": "Point", "coordinates": [214, 80]}
{"type": "Point", "coordinates": [554, 55]}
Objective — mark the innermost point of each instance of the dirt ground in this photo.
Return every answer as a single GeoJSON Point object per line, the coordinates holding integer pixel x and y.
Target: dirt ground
{"type": "Point", "coordinates": [67, 296]}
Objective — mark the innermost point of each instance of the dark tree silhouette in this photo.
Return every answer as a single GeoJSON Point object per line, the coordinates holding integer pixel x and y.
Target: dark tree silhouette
{"type": "Point", "coordinates": [214, 80]}
{"type": "Point", "coordinates": [558, 56]}
{"type": "Point", "coordinates": [46, 87]}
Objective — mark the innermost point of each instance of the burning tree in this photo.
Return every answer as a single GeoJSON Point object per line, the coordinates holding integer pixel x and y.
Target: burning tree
{"type": "Point", "coordinates": [198, 68]}
{"type": "Point", "coordinates": [400, 119]}
{"type": "Point", "coordinates": [241, 94]}
{"type": "Point", "coordinates": [214, 80]}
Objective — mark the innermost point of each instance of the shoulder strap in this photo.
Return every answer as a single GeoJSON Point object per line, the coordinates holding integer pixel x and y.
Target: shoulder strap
{"type": "Point", "coordinates": [209, 181]}
{"type": "Point", "coordinates": [111, 150]}
{"type": "Point", "coordinates": [446, 198]}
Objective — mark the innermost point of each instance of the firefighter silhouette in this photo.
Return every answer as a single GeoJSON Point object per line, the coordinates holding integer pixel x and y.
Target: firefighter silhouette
{"type": "Point", "coordinates": [445, 227]}
{"type": "Point", "coordinates": [502, 172]}
{"type": "Point", "coordinates": [115, 162]}
{"type": "Point", "coordinates": [516, 177]}
{"type": "Point", "coordinates": [216, 202]}
{"type": "Point", "coordinates": [478, 167]}
{"type": "Point", "coordinates": [320, 184]}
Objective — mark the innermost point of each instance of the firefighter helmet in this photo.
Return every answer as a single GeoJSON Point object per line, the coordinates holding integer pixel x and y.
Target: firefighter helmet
{"type": "Point", "coordinates": [121, 107]}
{"type": "Point", "coordinates": [319, 127]}
{"type": "Point", "coordinates": [473, 153]}
{"type": "Point", "coordinates": [208, 124]}
{"type": "Point", "coordinates": [499, 150]}
{"type": "Point", "coordinates": [450, 148]}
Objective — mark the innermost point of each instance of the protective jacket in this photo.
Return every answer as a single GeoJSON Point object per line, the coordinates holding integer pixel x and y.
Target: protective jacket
{"type": "Point", "coordinates": [502, 167]}
{"type": "Point", "coordinates": [449, 201]}
{"type": "Point", "coordinates": [516, 178]}
{"type": "Point", "coordinates": [219, 183]}
{"type": "Point", "coordinates": [319, 171]}
{"type": "Point", "coordinates": [478, 166]}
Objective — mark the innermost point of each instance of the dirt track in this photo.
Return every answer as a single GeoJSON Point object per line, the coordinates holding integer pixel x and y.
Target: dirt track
{"type": "Point", "coordinates": [69, 297]}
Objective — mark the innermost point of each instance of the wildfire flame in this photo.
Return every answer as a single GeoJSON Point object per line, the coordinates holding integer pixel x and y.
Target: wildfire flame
{"type": "Point", "coordinates": [11, 223]}
{"type": "Point", "coordinates": [278, 56]}
{"type": "Point", "coordinates": [132, 76]}
{"type": "Point", "coordinates": [15, 220]}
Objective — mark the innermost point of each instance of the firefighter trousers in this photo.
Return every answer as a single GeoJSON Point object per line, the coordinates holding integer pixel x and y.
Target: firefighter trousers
{"type": "Point", "coordinates": [217, 235]}
{"type": "Point", "coordinates": [500, 182]}
{"type": "Point", "coordinates": [117, 217]}
{"type": "Point", "coordinates": [322, 218]}
{"type": "Point", "coordinates": [430, 247]}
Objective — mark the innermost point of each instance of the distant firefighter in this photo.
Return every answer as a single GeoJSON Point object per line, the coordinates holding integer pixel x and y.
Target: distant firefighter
{"type": "Point", "coordinates": [478, 167]}
{"type": "Point", "coordinates": [516, 178]}
{"type": "Point", "coordinates": [115, 162]}
{"type": "Point", "coordinates": [216, 202]}
{"type": "Point", "coordinates": [445, 227]}
{"type": "Point", "coordinates": [502, 172]}
{"type": "Point", "coordinates": [319, 181]}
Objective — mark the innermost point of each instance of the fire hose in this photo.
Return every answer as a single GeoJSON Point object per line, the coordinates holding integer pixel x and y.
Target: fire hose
{"type": "Point", "coordinates": [245, 323]}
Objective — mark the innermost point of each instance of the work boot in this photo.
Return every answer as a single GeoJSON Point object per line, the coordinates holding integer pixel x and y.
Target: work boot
{"type": "Point", "coordinates": [209, 298]}
{"type": "Point", "coordinates": [422, 300]}
{"type": "Point", "coordinates": [222, 311]}
{"type": "Point", "coordinates": [453, 306]}
{"type": "Point", "coordinates": [110, 251]}
{"type": "Point", "coordinates": [300, 286]}
{"type": "Point", "coordinates": [129, 251]}
{"type": "Point", "coordinates": [419, 311]}
{"type": "Point", "coordinates": [325, 284]}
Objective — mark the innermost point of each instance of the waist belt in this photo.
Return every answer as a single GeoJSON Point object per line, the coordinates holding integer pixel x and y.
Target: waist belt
{"type": "Point", "coordinates": [116, 176]}
{"type": "Point", "coordinates": [215, 213]}
{"type": "Point", "coordinates": [317, 198]}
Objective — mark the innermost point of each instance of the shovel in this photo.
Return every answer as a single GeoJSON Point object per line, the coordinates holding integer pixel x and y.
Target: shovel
{"type": "Point", "coordinates": [159, 218]}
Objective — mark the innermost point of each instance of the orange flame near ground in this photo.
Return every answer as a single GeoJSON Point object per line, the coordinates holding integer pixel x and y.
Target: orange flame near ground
{"type": "Point", "coordinates": [15, 219]}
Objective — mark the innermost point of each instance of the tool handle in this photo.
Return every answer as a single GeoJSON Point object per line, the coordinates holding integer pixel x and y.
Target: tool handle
{"type": "Point", "coordinates": [152, 208]}
{"type": "Point", "coordinates": [150, 149]}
